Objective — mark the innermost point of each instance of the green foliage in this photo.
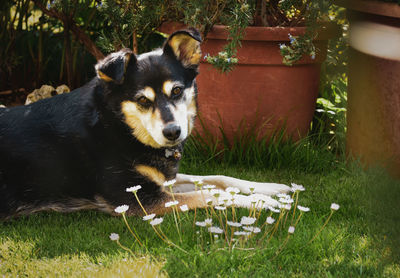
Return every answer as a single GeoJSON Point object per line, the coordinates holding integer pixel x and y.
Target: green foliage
{"type": "Point", "coordinates": [128, 23]}
{"type": "Point", "coordinates": [237, 19]}
{"type": "Point", "coordinates": [330, 117]}
{"type": "Point", "coordinates": [312, 13]}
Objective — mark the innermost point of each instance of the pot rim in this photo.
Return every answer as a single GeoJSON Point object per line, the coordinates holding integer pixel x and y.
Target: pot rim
{"type": "Point", "coordinates": [259, 33]}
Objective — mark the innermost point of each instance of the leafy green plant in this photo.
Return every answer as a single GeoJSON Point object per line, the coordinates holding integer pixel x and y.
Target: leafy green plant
{"type": "Point", "coordinates": [330, 118]}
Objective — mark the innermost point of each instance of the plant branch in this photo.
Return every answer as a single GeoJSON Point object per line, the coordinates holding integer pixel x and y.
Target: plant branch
{"type": "Point", "coordinates": [79, 34]}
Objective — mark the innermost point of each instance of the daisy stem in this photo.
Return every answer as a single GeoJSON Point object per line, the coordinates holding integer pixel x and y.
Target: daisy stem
{"type": "Point", "coordinates": [176, 223]}
{"type": "Point", "coordinates": [218, 217]}
{"type": "Point", "coordinates": [130, 230]}
{"type": "Point", "coordinates": [286, 216]}
{"type": "Point", "coordinates": [251, 209]}
{"type": "Point", "coordinates": [276, 226]}
{"type": "Point", "coordinates": [126, 248]}
{"type": "Point", "coordinates": [140, 203]}
{"type": "Point", "coordinates": [194, 221]}
{"type": "Point", "coordinates": [195, 210]}
{"type": "Point", "coordinates": [206, 207]}
{"type": "Point", "coordinates": [171, 243]}
{"type": "Point", "coordinates": [295, 205]}
{"type": "Point", "coordinates": [298, 219]}
{"type": "Point", "coordinates": [323, 226]}
{"type": "Point", "coordinates": [233, 211]}
{"type": "Point", "coordinates": [173, 198]}
{"type": "Point", "coordinates": [226, 227]}
{"type": "Point", "coordinates": [259, 212]}
{"type": "Point", "coordinates": [281, 247]}
{"type": "Point", "coordinates": [265, 234]}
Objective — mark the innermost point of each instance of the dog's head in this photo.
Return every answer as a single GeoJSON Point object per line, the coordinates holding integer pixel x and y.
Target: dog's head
{"type": "Point", "coordinates": [154, 93]}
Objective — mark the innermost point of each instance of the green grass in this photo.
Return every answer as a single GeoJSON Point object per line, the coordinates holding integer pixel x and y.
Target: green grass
{"type": "Point", "coordinates": [361, 240]}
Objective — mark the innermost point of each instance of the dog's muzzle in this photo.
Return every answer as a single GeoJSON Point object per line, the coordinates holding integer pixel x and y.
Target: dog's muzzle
{"type": "Point", "coordinates": [172, 131]}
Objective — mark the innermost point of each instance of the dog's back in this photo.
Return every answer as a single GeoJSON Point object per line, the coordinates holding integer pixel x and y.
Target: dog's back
{"type": "Point", "coordinates": [44, 143]}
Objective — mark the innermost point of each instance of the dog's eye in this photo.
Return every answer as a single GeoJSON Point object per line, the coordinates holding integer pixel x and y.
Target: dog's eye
{"type": "Point", "coordinates": [144, 101]}
{"type": "Point", "coordinates": [176, 91]}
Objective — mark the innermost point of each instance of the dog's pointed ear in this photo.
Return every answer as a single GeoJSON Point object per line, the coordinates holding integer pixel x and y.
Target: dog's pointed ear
{"type": "Point", "coordinates": [184, 45]}
{"type": "Point", "coordinates": [113, 67]}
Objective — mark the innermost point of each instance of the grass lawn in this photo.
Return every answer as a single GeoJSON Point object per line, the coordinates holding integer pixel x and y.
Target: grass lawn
{"type": "Point", "coordinates": [362, 238]}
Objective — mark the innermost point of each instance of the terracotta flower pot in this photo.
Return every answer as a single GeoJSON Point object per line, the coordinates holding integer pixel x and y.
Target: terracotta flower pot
{"type": "Point", "coordinates": [260, 92]}
{"type": "Point", "coordinates": [373, 113]}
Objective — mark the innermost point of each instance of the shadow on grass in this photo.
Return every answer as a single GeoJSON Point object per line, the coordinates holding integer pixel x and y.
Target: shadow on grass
{"type": "Point", "coordinates": [55, 234]}
{"type": "Point", "coordinates": [382, 202]}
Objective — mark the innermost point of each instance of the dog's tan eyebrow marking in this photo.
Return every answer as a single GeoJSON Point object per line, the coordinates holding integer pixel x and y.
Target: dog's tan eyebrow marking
{"type": "Point", "coordinates": [151, 173]}
{"type": "Point", "coordinates": [103, 76]}
{"type": "Point", "coordinates": [169, 85]}
{"type": "Point", "coordinates": [148, 92]}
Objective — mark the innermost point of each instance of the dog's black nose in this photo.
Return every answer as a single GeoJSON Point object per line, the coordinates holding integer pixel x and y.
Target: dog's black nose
{"type": "Point", "coordinates": [172, 131]}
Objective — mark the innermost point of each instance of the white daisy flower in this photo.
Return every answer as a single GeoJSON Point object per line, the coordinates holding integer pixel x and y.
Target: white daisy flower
{"type": "Point", "coordinates": [297, 187]}
{"type": "Point", "coordinates": [282, 195]}
{"type": "Point", "coordinates": [114, 236]}
{"type": "Point", "coordinates": [286, 206]}
{"type": "Point", "coordinates": [184, 208]}
{"type": "Point", "coordinates": [275, 210]}
{"type": "Point", "coordinates": [171, 203]}
{"type": "Point", "coordinates": [200, 224]}
{"type": "Point", "coordinates": [260, 200]}
{"type": "Point", "coordinates": [286, 200]}
{"type": "Point", "coordinates": [232, 190]}
{"type": "Point", "coordinates": [121, 209]}
{"type": "Point", "coordinates": [220, 208]}
{"type": "Point", "coordinates": [291, 230]}
{"type": "Point", "coordinates": [149, 217]}
{"type": "Point", "coordinates": [208, 221]}
{"type": "Point", "coordinates": [335, 206]}
{"type": "Point", "coordinates": [216, 236]}
{"type": "Point", "coordinates": [196, 180]}
{"type": "Point", "coordinates": [156, 221]}
{"type": "Point", "coordinates": [305, 209]}
{"type": "Point", "coordinates": [224, 199]}
{"type": "Point", "coordinates": [215, 230]}
{"type": "Point", "coordinates": [170, 182]}
{"type": "Point", "coordinates": [209, 186]}
{"type": "Point", "coordinates": [209, 201]}
{"type": "Point", "coordinates": [216, 192]}
{"type": "Point", "coordinates": [241, 233]}
{"type": "Point", "coordinates": [247, 220]}
{"type": "Point", "coordinates": [228, 203]}
{"type": "Point", "coordinates": [252, 229]}
{"type": "Point", "coordinates": [270, 220]}
{"type": "Point", "coordinates": [133, 189]}
{"type": "Point", "coordinates": [234, 224]}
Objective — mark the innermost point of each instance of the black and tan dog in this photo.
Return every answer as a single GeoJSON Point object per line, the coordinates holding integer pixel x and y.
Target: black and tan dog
{"type": "Point", "coordinates": [126, 127]}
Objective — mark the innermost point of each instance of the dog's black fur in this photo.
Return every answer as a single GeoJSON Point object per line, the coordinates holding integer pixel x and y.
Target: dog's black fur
{"type": "Point", "coordinates": [75, 150]}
